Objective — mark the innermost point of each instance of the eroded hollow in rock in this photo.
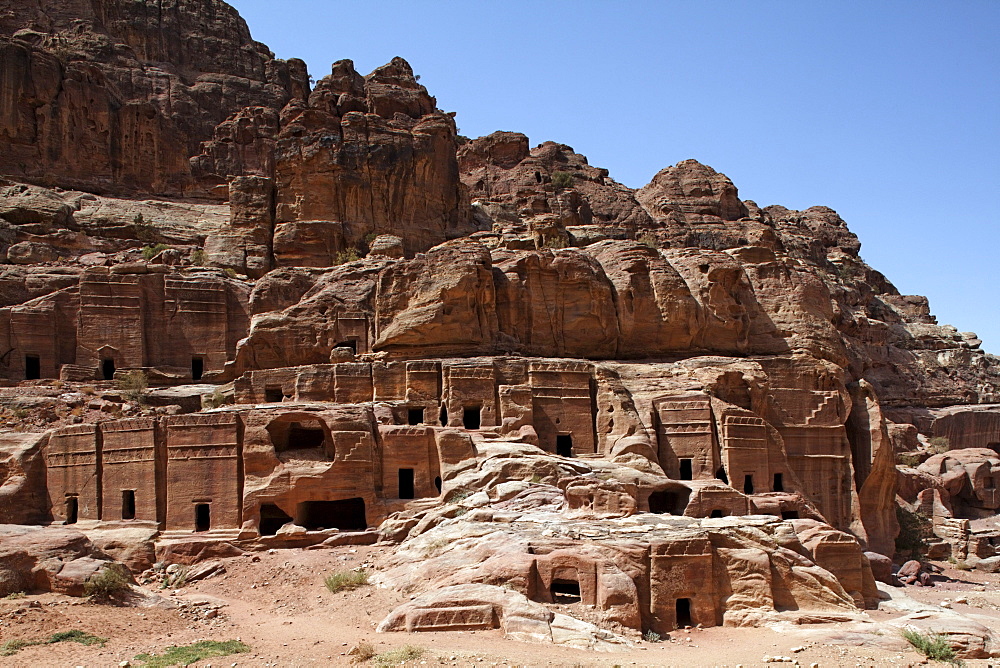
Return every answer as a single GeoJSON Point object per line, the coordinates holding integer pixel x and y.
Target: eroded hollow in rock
{"type": "Point", "coordinates": [272, 518]}
{"type": "Point", "coordinates": [344, 514]}
{"type": "Point", "coordinates": [299, 433]}
{"type": "Point", "coordinates": [669, 501]}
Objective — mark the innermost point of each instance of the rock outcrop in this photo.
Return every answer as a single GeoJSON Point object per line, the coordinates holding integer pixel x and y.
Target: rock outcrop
{"type": "Point", "coordinates": [581, 411]}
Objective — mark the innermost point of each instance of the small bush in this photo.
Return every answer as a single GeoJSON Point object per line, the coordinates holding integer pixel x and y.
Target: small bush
{"type": "Point", "coordinates": [400, 655]}
{"type": "Point", "coordinates": [14, 596]}
{"type": "Point", "coordinates": [651, 636]}
{"type": "Point", "coordinates": [345, 580]}
{"type": "Point", "coordinates": [932, 645]}
{"type": "Point", "coordinates": [107, 584]}
{"type": "Point", "coordinates": [362, 652]}
{"type": "Point", "coordinates": [213, 400]}
{"type": "Point", "coordinates": [562, 180]}
{"type": "Point", "coordinates": [149, 252]}
{"type": "Point", "coordinates": [940, 444]}
{"type": "Point", "coordinates": [914, 531]}
{"type": "Point", "coordinates": [188, 654]}
{"type": "Point", "coordinates": [143, 230]}
{"type": "Point", "coordinates": [908, 459]}
{"type": "Point", "coordinates": [13, 646]}
{"type": "Point", "coordinates": [198, 258]}
{"type": "Point", "coordinates": [230, 272]}
{"type": "Point", "coordinates": [132, 385]}
{"type": "Point", "coordinates": [648, 238]}
{"type": "Point", "coordinates": [344, 256]}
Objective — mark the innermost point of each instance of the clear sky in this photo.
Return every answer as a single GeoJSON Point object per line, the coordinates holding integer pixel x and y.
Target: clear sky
{"type": "Point", "coordinates": [888, 112]}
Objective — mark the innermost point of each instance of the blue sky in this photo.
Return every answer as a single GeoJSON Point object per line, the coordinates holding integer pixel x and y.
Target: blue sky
{"type": "Point", "coordinates": [888, 112]}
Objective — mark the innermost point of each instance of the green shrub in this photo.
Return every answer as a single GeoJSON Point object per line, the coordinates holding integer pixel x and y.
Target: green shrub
{"type": "Point", "coordinates": [648, 238]}
{"type": "Point", "coordinates": [349, 255]}
{"type": "Point", "coordinates": [230, 272]}
{"type": "Point", "coordinates": [132, 385]}
{"type": "Point", "coordinates": [400, 655]}
{"type": "Point", "coordinates": [188, 654]}
{"type": "Point", "coordinates": [652, 636]}
{"type": "Point", "coordinates": [345, 580]}
{"type": "Point", "coordinates": [149, 252]}
{"type": "Point", "coordinates": [908, 459]}
{"type": "Point", "coordinates": [13, 646]}
{"type": "Point", "coordinates": [198, 257]}
{"type": "Point", "coordinates": [940, 444]}
{"type": "Point", "coordinates": [561, 180]}
{"type": "Point", "coordinates": [932, 645]}
{"type": "Point", "coordinates": [143, 230]}
{"type": "Point", "coordinates": [213, 400]}
{"type": "Point", "coordinates": [107, 584]}
{"type": "Point", "coordinates": [914, 531]}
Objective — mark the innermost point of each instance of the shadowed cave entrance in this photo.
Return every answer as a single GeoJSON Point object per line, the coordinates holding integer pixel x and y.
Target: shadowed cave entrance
{"type": "Point", "coordinates": [669, 501]}
{"type": "Point", "coordinates": [345, 514]}
{"type": "Point", "coordinates": [272, 518]}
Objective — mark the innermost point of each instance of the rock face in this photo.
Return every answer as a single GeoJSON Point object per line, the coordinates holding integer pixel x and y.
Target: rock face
{"type": "Point", "coordinates": [115, 96]}
{"type": "Point", "coordinates": [582, 411]}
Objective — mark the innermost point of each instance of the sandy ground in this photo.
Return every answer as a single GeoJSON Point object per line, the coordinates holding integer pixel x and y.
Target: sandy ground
{"type": "Point", "coordinates": [276, 603]}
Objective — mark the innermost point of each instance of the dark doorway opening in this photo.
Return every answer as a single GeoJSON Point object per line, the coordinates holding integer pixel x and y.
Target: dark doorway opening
{"type": "Point", "coordinates": [748, 484]}
{"type": "Point", "coordinates": [72, 509]}
{"type": "Point", "coordinates": [202, 516]}
{"type": "Point", "coordinates": [538, 177]}
{"type": "Point", "coordinates": [353, 345]}
{"type": "Point", "coordinates": [717, 513]}
{"type": "Point", "coordinates": [406, 490]}
{"type": "Point", "coordinates": [108, 369]}
{"type": "Point", "coordinates": [197, 368]}
{"type": "Point", "coordinates": [564, 445]}
{"type": "Point", "coordinates": [346, 514]}
{"type": "Point", "coordinates": [683, 612]}
{"type": "Point", "coordinates": [273, 395]}
{"type": "Point", "coordinates": [686, 469]}
{"type": "Point", "coordinates": [989, 483]}
{"type": "Point", "coordinates": [304, 438]}
{"type": "Point", "coordinates": [779, 484]}
{"type": "Point", "coordinates": [668, 503]}
{"type": "Point", "coordinates": [272, 518]}
{"type": "Point", "coordinates": [471, 417]}
{"type": "Point", "coordinates": [128, 504]}
{"type": "Point", "coordinates": [32, 367]}
{"type": "Point", "coordinates": [414, 416]}
{"type": "Point", "coordinates": [789, 514]}
{"type": "Point", "coordinates": [443, 416]}
{"type": "Point", "coordinates": [565, 591]}
{"type": "Point", "coordinates": [721, 475]}
{"type": "Point", "coordinates": [437, 483]}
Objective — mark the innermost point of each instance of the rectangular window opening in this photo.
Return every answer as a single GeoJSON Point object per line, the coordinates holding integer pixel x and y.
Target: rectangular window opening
{"type": "Point", "coordinates": [565, 591]}
{"type": "Point", "coordinates": [414, 416]}
{"type": "Point", "coordinates": [202, 517]}
{"type": "Point", "coordinates": [128, 504]}
{"type": "Point", "coordinates": [273, 395]}
{"type": "Point", "coordinates": [32, 367]}
{"type": "Point", "coordinates": [406, 489]}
